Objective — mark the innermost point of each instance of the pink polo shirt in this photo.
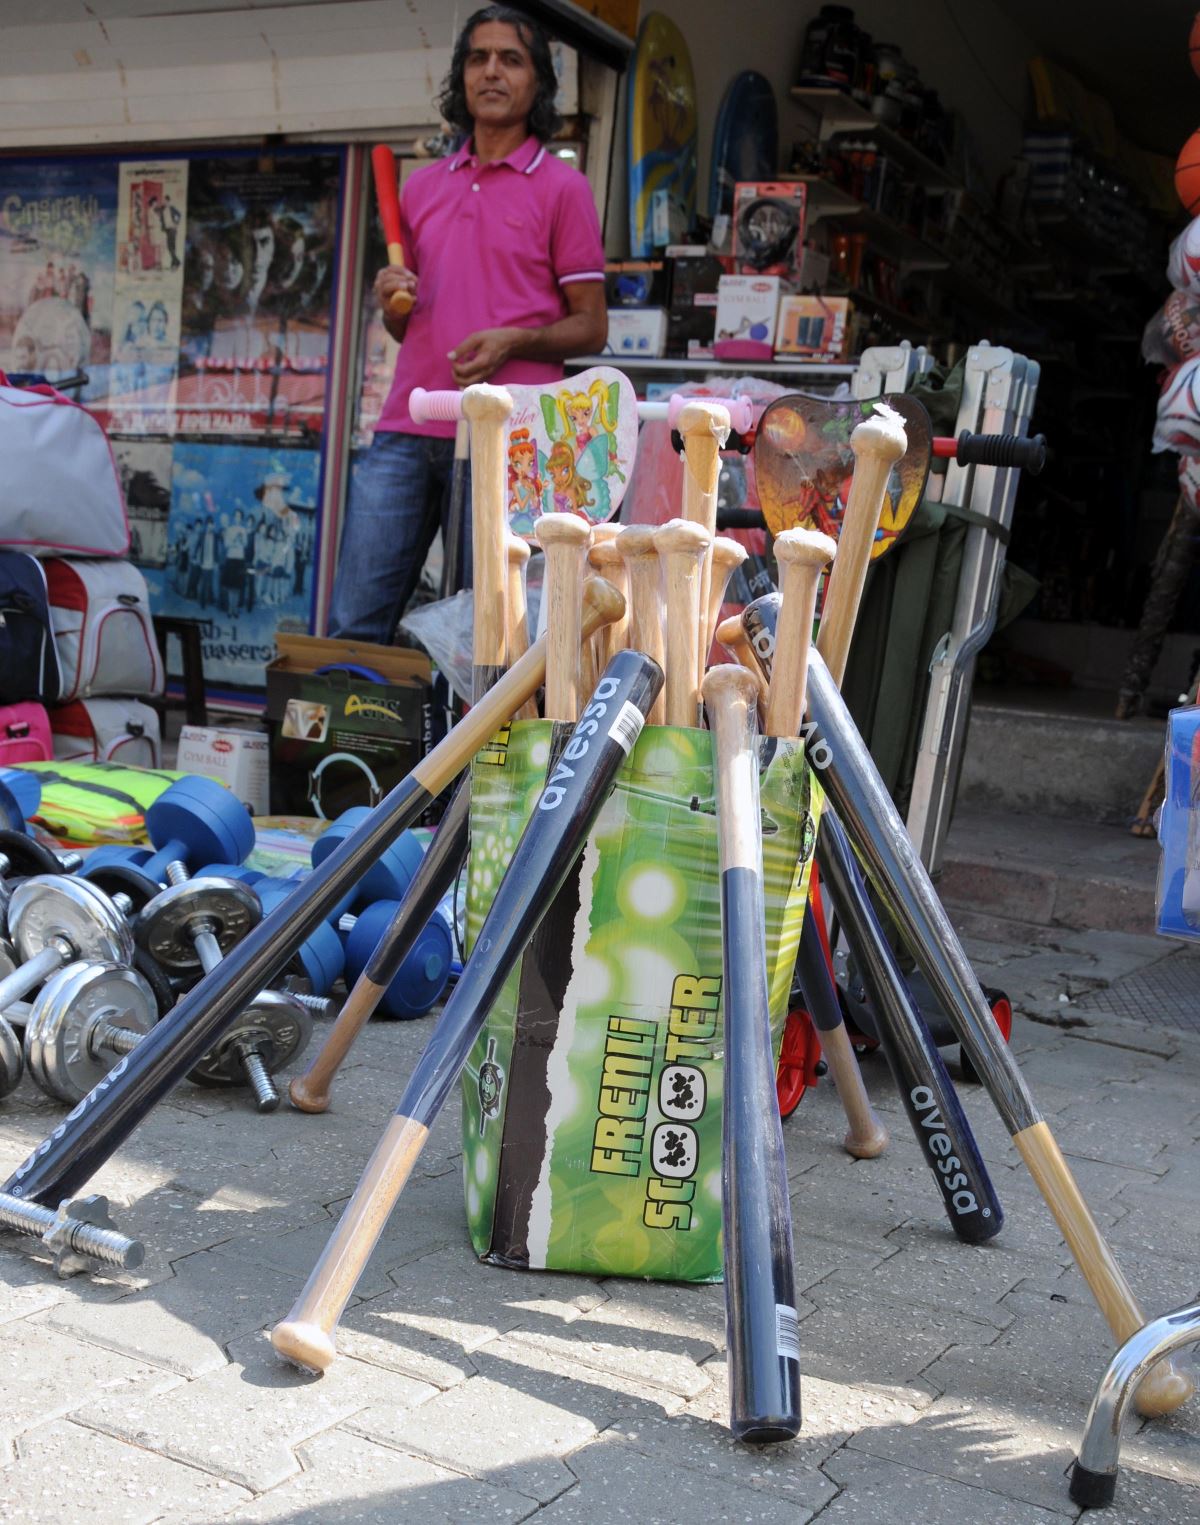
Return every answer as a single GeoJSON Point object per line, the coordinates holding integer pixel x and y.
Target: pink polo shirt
{"type": "Point", "coordinates": [493, 246]}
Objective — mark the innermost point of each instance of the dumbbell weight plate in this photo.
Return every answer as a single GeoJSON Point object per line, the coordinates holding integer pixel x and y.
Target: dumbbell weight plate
{"type": "Point", "coordinates": [163, 991]}
{"type": "Point", "coordinates": [26, 856]}
{"type": "Point", "coordinates": [123, 879]}
{"type": "Point", "coordinates": [55, 1032]}
{"type": "Point", "coordinates": [12, 1060]}
{"type": "Point", "coordinates": [275, 1025]}
{"type": "Point", "coordinates": [66, 906]}
{"type": "Point", "coordinates": [8, 959]}
{"type": "Point", "coordinates": [163, 928]}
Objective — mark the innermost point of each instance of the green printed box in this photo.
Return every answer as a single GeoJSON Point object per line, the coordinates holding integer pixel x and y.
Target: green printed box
{"type": "Point", "coordinates": [592, 1099]}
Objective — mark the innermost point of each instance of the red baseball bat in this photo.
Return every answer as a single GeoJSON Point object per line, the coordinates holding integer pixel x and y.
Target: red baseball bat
{"type": "Point", "coordinates": [387, 194]}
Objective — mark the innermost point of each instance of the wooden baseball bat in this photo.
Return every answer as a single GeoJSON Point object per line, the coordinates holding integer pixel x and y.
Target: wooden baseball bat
{"type": "Point", "coordinates": [605, 558]}
{"type": "Point", "coordinates": [387, 194]}
{"type": "Point", "coordinates": [756, 1218]}
{"type": "Point", "coordinates": [637, 547]}
{"type": "Point", "coordinates": [725, 558]}
{"type": "Point", "coordinates": [800, 556]}
{"type": "Point", "coordinates": [736, 642]}
{"type": "Point", "coordinates": [486, 408]}
{"type": "Point", "coordinates": [681, 548]}
{"type": "Point", "coordinates": [878, 443]}
{"type": "Point", "coordinates": [97, 1127]}
{"type": "Point", "coordinates": [435, 874]}
{"type": "Point", "coordinates": [517, 551]}
{"type": "Point", "coordinates": [552, 840]}
{"type": "Point", "coordinates": [704, 427]}
{"type": "Point", "coordinates": [564, 538]}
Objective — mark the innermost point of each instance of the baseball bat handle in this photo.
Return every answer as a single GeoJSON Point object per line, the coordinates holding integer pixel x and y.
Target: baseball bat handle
{"type": "Point", "coordinates": [740, 519]}
{"type": "Point", "coordinates": [552, 840]}
{"type": "Point", "coordinates": [1026, 452]}
{"type": "Point", "coordinates": [387, 195]}
{"type": "Point", "coordinates": [443, 406]}
{"type": "Point", "coordinates": [435, 874]}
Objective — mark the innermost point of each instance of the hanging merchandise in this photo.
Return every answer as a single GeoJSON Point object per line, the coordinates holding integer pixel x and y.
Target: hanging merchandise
{"type": "Point", "coordinates": [107, 730]}
{"type": "Point", "coordinates": [102, 629]}
{"type": "Point", "coordinates": [1177, 423]}
{"type": "Point", "coordinates": [28, 658]}
{"type": "Point", "coordinates": [59, 491]}
{"type": "Point", "coordinates": [662, 137]}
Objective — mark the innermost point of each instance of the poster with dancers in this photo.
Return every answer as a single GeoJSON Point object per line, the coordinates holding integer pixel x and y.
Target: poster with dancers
{"type": "Point", "coordinates": [240, 540]}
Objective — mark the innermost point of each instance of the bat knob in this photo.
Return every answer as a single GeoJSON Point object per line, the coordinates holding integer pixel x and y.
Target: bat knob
{"type": "Point", "coordinates": [868, 1145]}
{"type": "Point", "coordinates": [881, 435]}
{"type": "Point", "coordinates": [304, 1344]}
{"type": "Point", "coordinates": [306, 1100]}
{"type": "Point", "coordinates": [1162, 1390]}
{"type": "Point", "coordinates": [399, 303]}
{"type": "Point", "coordinates": [483, 403]}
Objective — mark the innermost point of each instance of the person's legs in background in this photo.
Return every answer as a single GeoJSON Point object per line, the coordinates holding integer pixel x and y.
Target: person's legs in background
{"type": "Point", "coordinates": [391, 519]}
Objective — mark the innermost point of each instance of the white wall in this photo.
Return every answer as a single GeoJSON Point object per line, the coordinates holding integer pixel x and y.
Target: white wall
{"type": "Point", "coordinates": [972, 55]}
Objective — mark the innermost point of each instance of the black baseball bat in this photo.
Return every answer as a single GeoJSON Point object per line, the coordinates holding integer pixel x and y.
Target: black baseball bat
{"type": "Point", "coordinates": [108, 1114]}
{"type": "Point", "coordinates": [930, 1101]}
{"type": "Point", "coordinates": [756, 1217]}
{"type": "Point", "coordinates": [578, 784]}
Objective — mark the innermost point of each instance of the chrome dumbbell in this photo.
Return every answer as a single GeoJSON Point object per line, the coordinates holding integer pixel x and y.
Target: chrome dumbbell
{"type": "Point", "coordinates": [81, 1234]}
{"type": "Point", "coordinates": [58, 919]}
{"type": "Point", "coordinates": [83, 1020]}
{"type": "Point", "coordinates": [21, 857]}
{"type": "Point", "coordinates": [189, 927]}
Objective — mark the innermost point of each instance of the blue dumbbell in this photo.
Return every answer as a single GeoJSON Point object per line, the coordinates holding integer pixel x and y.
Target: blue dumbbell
{"type": "Point", "coordinates": [194, 822]}
{"type": "Point", "coordinates": [389, 877]}
{"type": "Point", "coordinates": [20, 796]}
{"type": "Point", "coordinates": [320, 957]}
{"type": "Point", "coordinates": [421, 977]}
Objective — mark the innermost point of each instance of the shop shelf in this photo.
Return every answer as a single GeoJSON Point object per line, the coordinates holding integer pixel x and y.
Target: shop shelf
{"type": "Point", "coordinates": [841, 113]}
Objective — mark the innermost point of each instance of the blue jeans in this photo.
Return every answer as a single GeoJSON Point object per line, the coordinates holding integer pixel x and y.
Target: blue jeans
{"type": "Point", "coordinates": [399, 497]}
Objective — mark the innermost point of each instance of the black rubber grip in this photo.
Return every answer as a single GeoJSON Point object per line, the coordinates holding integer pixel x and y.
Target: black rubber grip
{"type": "Point", "coordinates": [1092, 1490]}
{"type": "Point", "coordinates": [1025, 452]}
{"type": "Point", "coordinates": [740, 519]}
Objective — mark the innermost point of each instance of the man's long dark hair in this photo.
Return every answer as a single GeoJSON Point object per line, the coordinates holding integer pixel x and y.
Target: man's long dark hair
{"type": "Point", "coordinates": [544, 120]}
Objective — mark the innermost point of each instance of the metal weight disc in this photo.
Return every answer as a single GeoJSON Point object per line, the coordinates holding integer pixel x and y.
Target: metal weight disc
{"type": "Point", "coordinates": [27, 856]}
{"type": "Point", "coordinates": [8, 959]}
{"type": "Point", "coordinates": [64, 906]}
{"type": "Point", "coordinates": [12, 1061]}
{"type": "Point", "coordinates": [56, 1033]}
{"type": "Point", "coordinates": [166, 927]}
{"type": "Point", "coordinates": [278, 1027]}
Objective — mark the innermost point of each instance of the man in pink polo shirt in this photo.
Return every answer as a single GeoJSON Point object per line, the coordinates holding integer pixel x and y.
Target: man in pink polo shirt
{"type": "Point", "coordinates": [506, 266]}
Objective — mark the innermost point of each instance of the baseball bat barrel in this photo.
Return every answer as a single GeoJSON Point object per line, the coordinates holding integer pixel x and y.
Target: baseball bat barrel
{"type": "Point", "coordinates": [704, 427]}
{"type": "Point", "coordinates": [564, 538]}
{"type": "Point", "coordinates": [435, 874]}
{"type": "Point", "coordinates": [736, 642]}
{"type": "Point", "coordinates": [486, 409]}
{"type": "Point", "coordinates": [902, 883]}
{"type": "Point", "coordinates": [89, 1135]}
{"type": "Point", "coordinates": [636, 544]}
{"type": "Point", "coordinates": [760, 1290]}
{"type": "Point", "coordinates": [727, 555]}
{"type": "Point", "coordinates": [517, 553]}
{"type": "Point", "coordinates": [801, 555]}
{"type": "Point", "coordinates": [387, 194]}
{"type": "Point", "coordinates": [605, 558]}
{"type": "Point", "coordinates": [565, 812]}
{"type": "Point", "coordinates": [878, 443]}
{"type": "Point", "coordinates": [926, 1091]}
{"type": "Point", "coordinates": [681, 550]}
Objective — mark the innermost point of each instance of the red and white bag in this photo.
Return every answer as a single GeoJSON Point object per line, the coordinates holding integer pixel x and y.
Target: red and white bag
{"type": "Point", "coordinates": [60, 493]}
{"type": "Point", "coordinates": [100, 611]}
{"type": "Point", "coordinates": [107, 730]}
{"type": "Point", "coordinates": [24, 735]}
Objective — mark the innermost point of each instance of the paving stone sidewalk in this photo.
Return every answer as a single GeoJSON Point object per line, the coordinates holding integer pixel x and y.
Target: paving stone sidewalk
{"type": "Point", "coordinates": [942, 1383]}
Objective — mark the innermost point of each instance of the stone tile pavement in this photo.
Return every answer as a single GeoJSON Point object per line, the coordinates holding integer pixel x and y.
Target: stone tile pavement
{"type": "Point", "coordinates": [942, 1384]}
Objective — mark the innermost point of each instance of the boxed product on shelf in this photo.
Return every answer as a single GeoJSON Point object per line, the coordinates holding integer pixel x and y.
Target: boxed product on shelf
{"type": "Point", "coordinates": [768, 227]}
{"type": "Point", "coordinates": [637, 331]}
{"type": "Point", "coordinates": [813, 326]}
{"type": "Point", "coordinates": [694, 272]}
{"type": "Point", "coordinates": [747, 312]}
{"type": "Point", "coordinates": [234, 756]}
{"type": "Point", "coordinates": [635, 283]}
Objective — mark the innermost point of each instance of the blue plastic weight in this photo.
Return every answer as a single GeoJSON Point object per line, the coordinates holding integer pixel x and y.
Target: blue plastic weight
{"type": "Point", "coordinates": [422, 976]}
{"type": "Point", "coordinates": [237, 871]}
{"type": "Point", "coordinates": [321, 956]}
{"type": "Point", "coordinates": [197, 821]}
{"type": "Point", "coordinates": [389, 877]}
{"type": "Point", "coordinates": [118, 854]}
{"type": "Point", "coordinates": [21, 796]}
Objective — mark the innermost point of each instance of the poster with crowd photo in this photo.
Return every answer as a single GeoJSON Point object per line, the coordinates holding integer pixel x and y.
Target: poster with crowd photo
{"type": "Point", "coordinates": [57, 238]}
{"type": "Point", "coordinates": [147, 295]}
{"type": "Point", "coordinates": [240, 539]}
{"type": "Point", "coordinates": [257, 293]}
{"type": "Point", "coordinates": [144, 467]}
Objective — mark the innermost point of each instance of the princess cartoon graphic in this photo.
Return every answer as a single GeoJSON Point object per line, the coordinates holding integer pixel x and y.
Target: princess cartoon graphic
{"type": "Point", "coordinates": [524, 482]}
{"type": "Point", "coordinates": [570, 493]}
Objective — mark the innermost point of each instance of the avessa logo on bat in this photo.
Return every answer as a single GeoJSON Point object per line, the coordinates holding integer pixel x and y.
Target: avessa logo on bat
{"type": "Point", "coordinates": [955, 1181]}
{"type": "Point", "coordinates": [625, 728]}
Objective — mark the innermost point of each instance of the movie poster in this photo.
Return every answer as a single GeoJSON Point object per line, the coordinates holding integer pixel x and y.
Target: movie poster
{"type": "Point", "coordinates": [147, 295]}
{"type": "Point", "coordinates": [57, 238]}
{"type": "Point", "coordinates": [257, 294]}
{"type": "Point", "coordinates": [145, 471]}
{"type": "Point", "coordinates": [240, 539]}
